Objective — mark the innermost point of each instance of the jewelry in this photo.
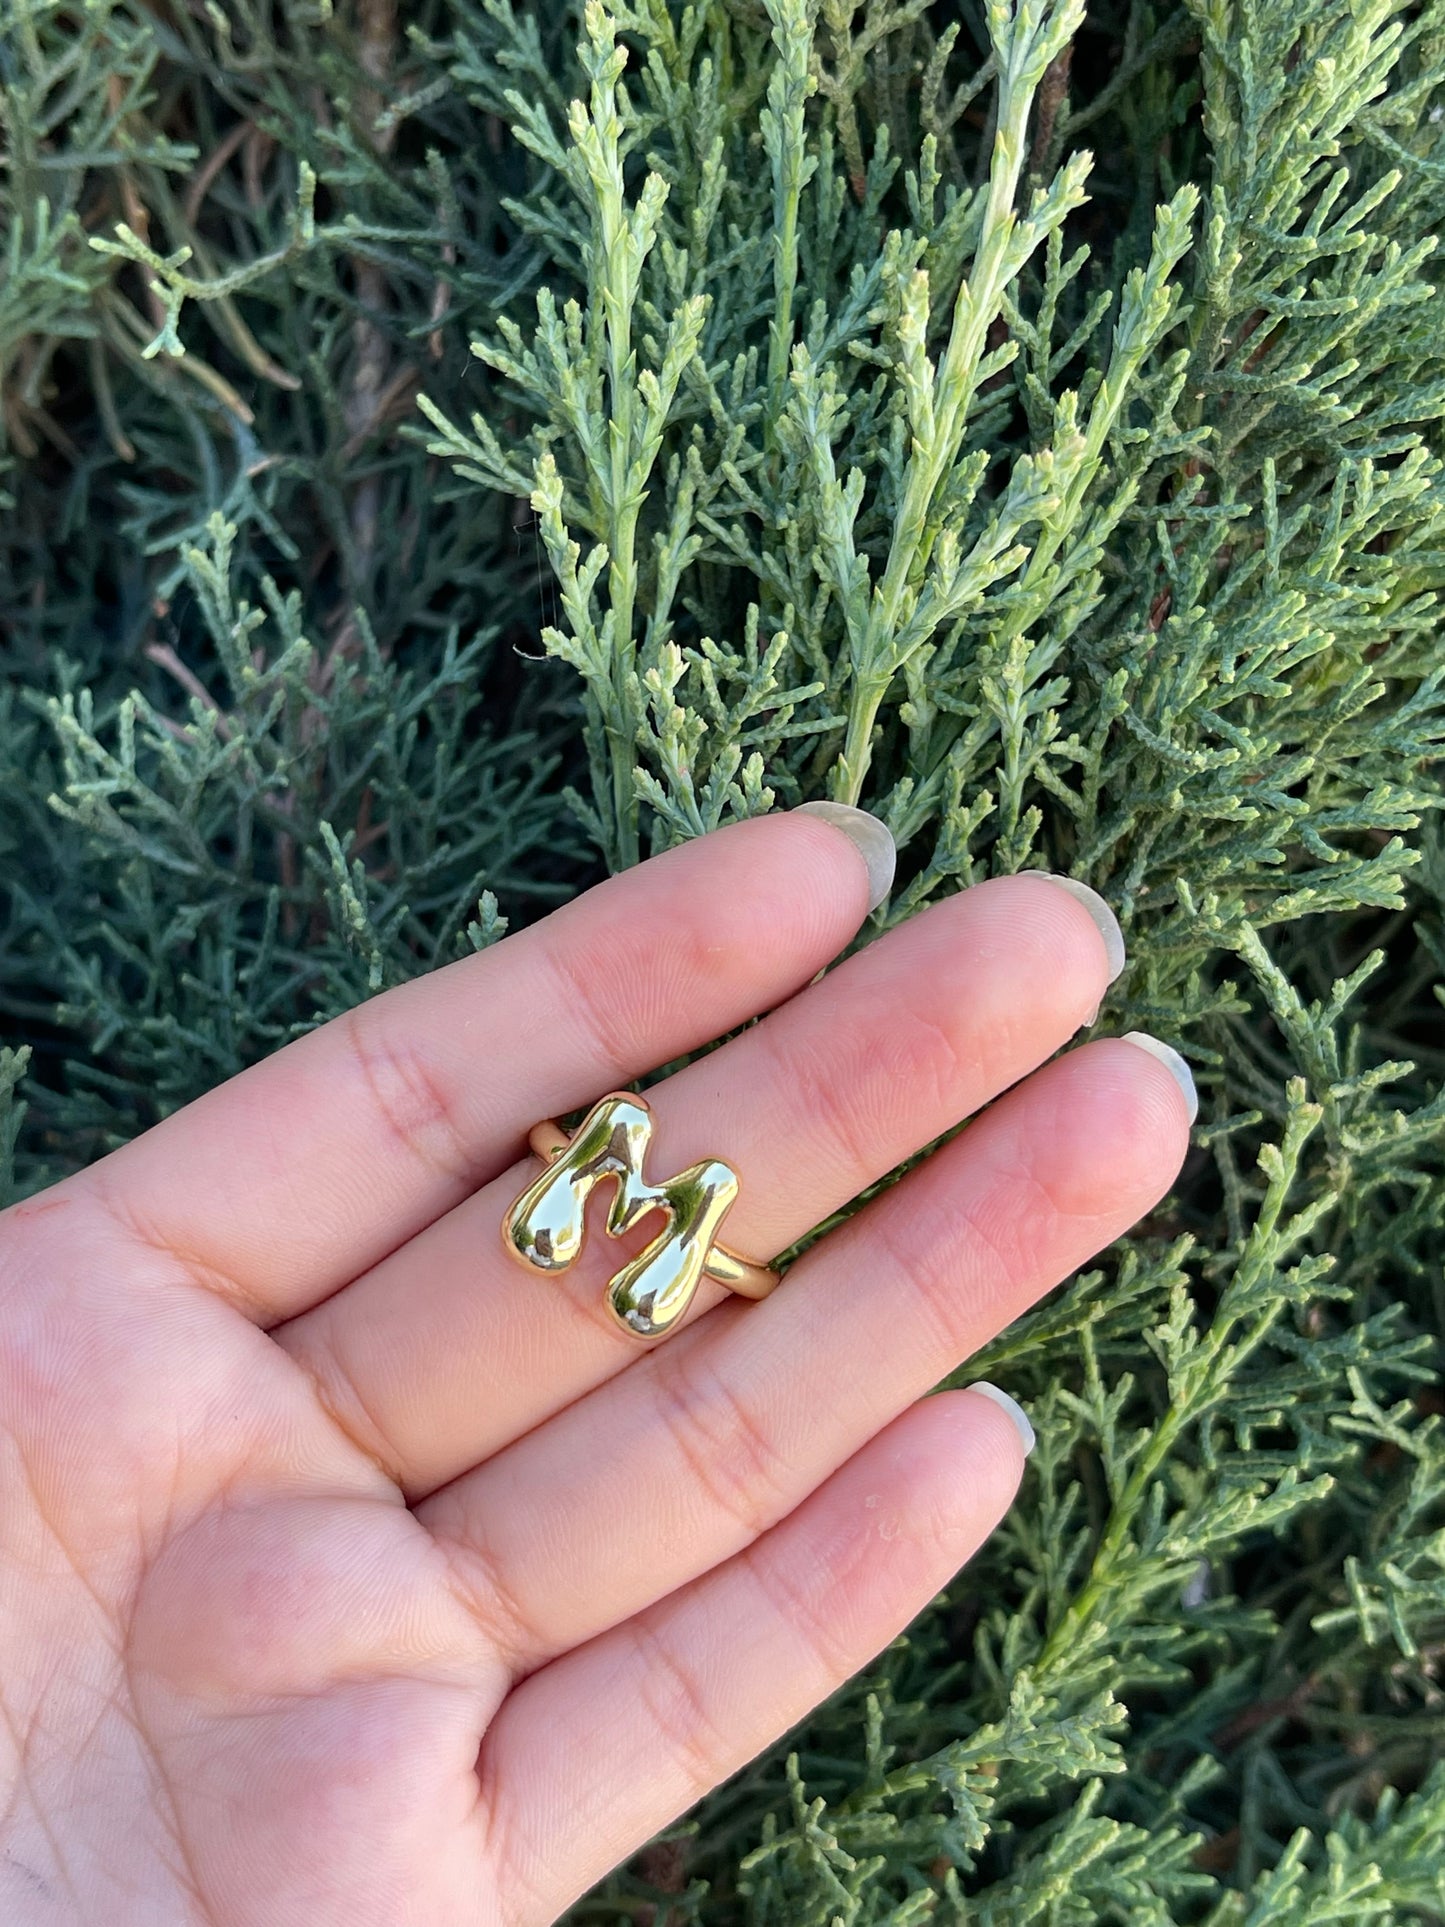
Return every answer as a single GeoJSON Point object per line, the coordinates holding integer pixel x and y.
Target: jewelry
{"type": "Point", "coordinates": [545, 1226]}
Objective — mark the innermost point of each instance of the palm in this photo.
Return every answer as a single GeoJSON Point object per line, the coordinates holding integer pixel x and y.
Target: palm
{"type": "Point", "coordinates": [277, 1715]}
{"type": "Point", "coordinates": [325, 1599]}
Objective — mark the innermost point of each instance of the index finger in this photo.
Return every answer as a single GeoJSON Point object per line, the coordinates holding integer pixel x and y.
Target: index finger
{"type": "Point", "coordinates": [285, 1183]}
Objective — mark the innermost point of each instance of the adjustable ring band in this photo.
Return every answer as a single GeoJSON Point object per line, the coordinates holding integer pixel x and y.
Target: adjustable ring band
{"type": "Point", "coordinates": [545, 1226]}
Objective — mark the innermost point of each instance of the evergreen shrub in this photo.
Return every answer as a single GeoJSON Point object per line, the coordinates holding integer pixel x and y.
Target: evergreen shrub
{"type": "Point", "coordinates": [450, 446]}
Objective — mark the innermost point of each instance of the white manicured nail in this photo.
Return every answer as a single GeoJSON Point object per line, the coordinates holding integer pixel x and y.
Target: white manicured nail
{"type": "Point", "coordinates": [870, 837]}
{"type": "Point", "coordinates": [1172, 1062]}
{"type": "Point", "coordinates": [1010, 1405]}
{"type": "Point", "coordinates": [1105, 921]}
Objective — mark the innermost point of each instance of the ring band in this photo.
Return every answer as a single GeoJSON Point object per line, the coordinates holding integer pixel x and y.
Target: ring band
{"type": "Point", "coordinates": [545, 1226]}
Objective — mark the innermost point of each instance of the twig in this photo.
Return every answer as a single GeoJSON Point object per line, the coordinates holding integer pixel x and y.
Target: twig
{"type": "Point", "coordinates": [163, 654]}
{"type": "Point", "coordinates": [1053, 92]}
{"type": "Point", "coordinates": [210, 167]}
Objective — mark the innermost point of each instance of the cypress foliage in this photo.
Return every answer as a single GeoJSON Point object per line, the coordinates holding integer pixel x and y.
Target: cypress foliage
{"type": "Point", "coordinates": [453, 445]}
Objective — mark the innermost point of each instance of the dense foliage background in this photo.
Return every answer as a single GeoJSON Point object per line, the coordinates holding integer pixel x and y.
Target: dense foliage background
{"type": "Point", "coordinates": [1024, 421]}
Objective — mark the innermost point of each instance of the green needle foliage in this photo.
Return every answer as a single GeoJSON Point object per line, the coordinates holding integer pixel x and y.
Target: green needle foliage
{"type": "Point", "coordinates": [455, 445]}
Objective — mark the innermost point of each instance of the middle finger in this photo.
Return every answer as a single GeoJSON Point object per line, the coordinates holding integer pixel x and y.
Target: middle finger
{"type": "Point", "coordinates": [448, 1350]}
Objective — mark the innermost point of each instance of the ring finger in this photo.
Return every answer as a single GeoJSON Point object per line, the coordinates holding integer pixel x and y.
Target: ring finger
{"type": "Point", "coordinates": [448, 1350]}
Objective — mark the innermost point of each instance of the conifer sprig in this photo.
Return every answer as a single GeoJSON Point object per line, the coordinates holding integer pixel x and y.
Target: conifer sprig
{"type": "Point", "coordinates": [838, 427]}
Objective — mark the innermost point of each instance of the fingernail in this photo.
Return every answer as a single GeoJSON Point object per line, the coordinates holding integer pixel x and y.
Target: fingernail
{"type": "Point", "coordinates": [1172, 1062]}
{"type": "Point", "coordinates": [870, 837]}
{"type": "Point", "coordinates": [1105, 921]}
{"type": "Point", "coordinates": [1010, 1405]}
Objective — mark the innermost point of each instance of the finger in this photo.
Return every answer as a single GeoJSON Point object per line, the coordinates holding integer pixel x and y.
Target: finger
{"type": "Point", "coordinates": [681, 1462]}
{"type": "Point", "coordinates": [588, 1758]}
{"type": "Point", "coordinates": [305, 1170]}
{"type": "Point", "coordinates": [818, 1101]}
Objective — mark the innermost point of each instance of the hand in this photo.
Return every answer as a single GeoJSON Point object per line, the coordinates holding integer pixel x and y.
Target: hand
{"type": "Point", "coordinates": [353, 1574]}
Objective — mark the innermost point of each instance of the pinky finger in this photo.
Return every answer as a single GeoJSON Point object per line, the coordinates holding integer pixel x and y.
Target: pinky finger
{"type": "Point", "coordinates": [591, 1756]}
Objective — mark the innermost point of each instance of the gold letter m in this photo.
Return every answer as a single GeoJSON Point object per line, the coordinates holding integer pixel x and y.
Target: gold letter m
{"type": "Point", "coordinates": [546, 1226]}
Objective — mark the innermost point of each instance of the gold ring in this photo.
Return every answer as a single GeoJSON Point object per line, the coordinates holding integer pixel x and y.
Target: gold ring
{"type": "Point", "coordinates": [544, 1227]}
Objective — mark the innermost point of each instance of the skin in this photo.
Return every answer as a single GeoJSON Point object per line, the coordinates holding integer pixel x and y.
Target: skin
{"type": "Point", "coordinates": [349, 1573]}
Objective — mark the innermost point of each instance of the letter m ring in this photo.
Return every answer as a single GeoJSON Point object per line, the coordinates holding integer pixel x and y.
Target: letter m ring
{"type": "Point", "coordinates": [545, 1227]}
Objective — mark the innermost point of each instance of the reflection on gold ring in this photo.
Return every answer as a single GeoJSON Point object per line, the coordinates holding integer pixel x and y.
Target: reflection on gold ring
{"type": "Point", "coordinates": [545, 1226]}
